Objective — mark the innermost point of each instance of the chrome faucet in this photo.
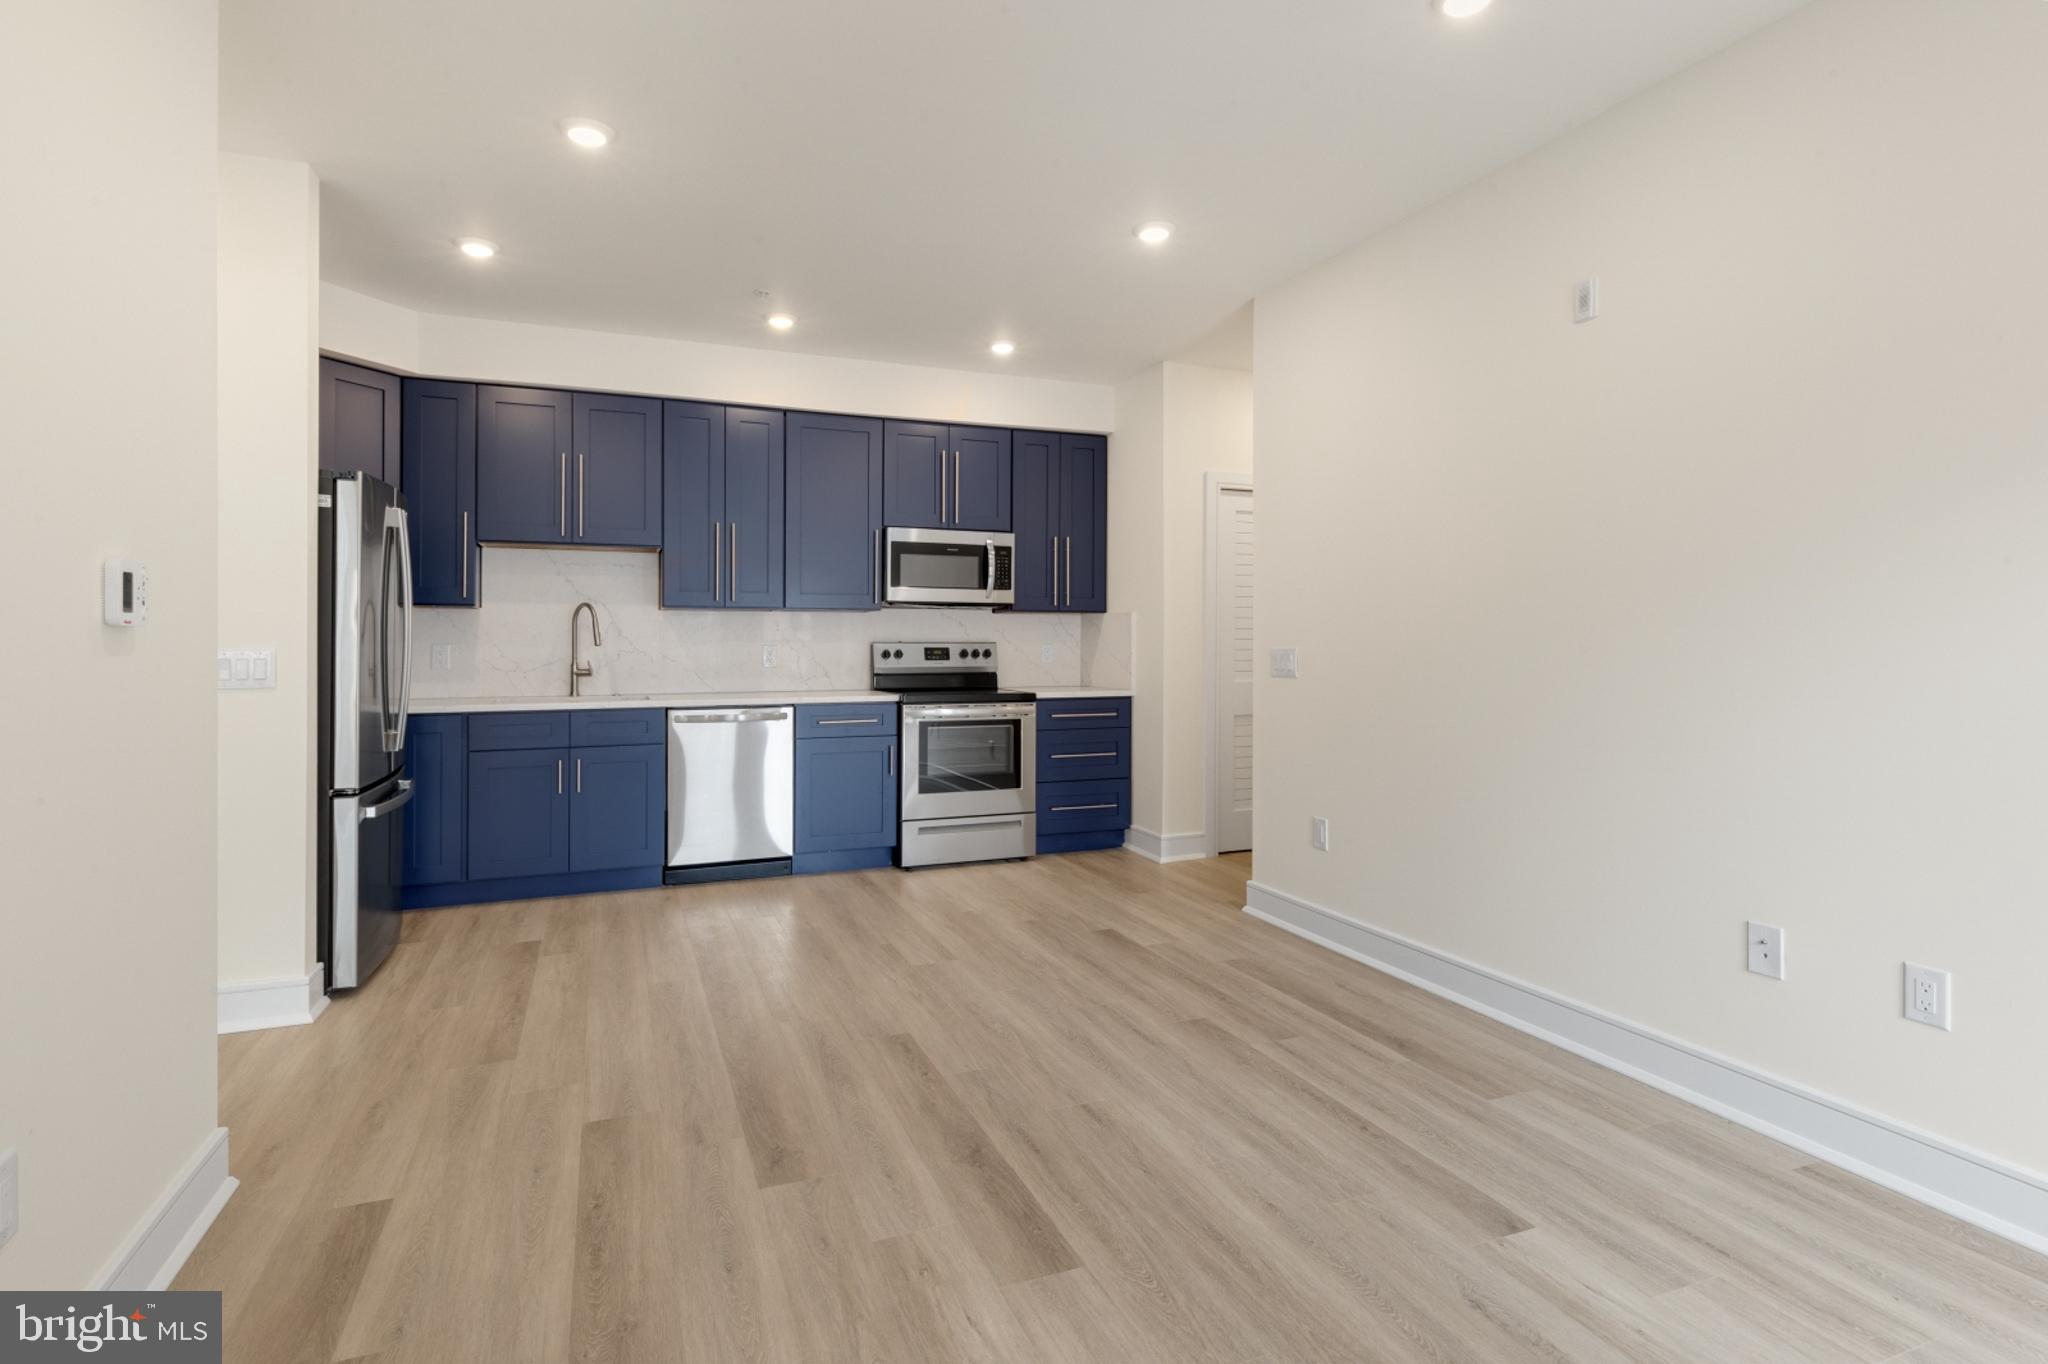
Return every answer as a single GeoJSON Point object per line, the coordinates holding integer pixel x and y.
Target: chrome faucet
{"type": "Point", "coordinates": [578, 667]}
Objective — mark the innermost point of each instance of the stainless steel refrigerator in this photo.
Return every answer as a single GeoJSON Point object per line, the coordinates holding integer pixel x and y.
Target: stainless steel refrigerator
{"type": "Point", "coordinates": [365, 634]}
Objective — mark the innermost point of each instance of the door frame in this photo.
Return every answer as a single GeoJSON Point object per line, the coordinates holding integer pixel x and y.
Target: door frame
{"type": "Point", "coordinates": [1214, 486]}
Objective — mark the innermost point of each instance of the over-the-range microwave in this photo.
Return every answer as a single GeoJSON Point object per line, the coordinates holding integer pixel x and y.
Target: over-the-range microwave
{"type": "Point", "coordinates": [923, 567]}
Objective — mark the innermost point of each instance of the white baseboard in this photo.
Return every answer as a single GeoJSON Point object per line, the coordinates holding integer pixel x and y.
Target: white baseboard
{"type": "Point", "coordinates": [158, 1249]}
{"type": "Point", "coordinates": [1980, 1189]}
{"type": "Point", "coordinates": [289, 1001]}
{"type": "Point", "coordinates": [1165, 847]}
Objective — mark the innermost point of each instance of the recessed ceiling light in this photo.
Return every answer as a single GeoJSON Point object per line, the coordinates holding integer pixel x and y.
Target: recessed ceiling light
{"type": "Point", "coordinates": [586, 133]}
{"type": "Point", "coordinates": [1155, 234]}
{"type": "Point", "coordinates": [782, 322]}
{"type": "Point", "coordinates": [476, 248]}
{"type": "Point", "coordinates": [1002, 347]}
{"type": "Point", "coordinates": [1461, 9]}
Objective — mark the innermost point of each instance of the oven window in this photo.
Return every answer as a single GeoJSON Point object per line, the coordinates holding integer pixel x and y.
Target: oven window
{"type": "Point", "coordinates": [939, 566]}
{"type": "Point", "coordinates": [968, 755]}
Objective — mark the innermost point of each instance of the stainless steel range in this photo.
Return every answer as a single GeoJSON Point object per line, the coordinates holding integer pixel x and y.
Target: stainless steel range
{"type": "Point", "coordinates": [970, 754]}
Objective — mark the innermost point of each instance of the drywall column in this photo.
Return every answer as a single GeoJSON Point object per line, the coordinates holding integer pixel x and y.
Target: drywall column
{"type": "Point", "coordinates": [1137, 566]}
{"type": "Point", "coordinates": [107, 361]}
{"type": "Point", "coordinates": [269, 429]}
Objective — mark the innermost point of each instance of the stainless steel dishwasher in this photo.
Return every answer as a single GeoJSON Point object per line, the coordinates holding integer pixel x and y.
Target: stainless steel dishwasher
{"type": "Point", "coordinates": [731, 793]}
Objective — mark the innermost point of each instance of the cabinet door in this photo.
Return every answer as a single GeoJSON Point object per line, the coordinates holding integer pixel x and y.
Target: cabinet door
{"type": "Point", "coordinates": [833, 526]}
{"type": "Point", "coordinates": [1034, 517]}
{"type": "Point", "coordinates": [435, 829]}
{"type": "Point", "coordinates": [753, 508]}
{"type": "Point", "coordinates": [440, 491]}
{"type": "Point", "coordinates": [618, 807]}
{"type": "Point", "coordinates": [359, 420]}
{"type": "Point", "coordinates": [845, 794]}
{"type": "Point", "coordinates": [1084, 523]}
{"type": "Point", "coordinates": [692, 500]}
{"type": "Point", "coordinates": [978, 490]}
{"type": "Point", "coordinates": [518, 813]}
{"type": "Point", "coordinates": [615, 470]}
{"type": "Point", "coordinates": [915, 467]}
{"type": "Point", "coordinates": [522, 465]}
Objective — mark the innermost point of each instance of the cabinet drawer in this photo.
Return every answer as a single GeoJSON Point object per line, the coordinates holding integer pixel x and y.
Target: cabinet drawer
{"type": "Point", "coordinates": [612, 728]}
{"type": "Point", "coordinates": [1089, 712]}
{"type": "Point", "coordinates": [519, 729]}
{"type": "Point", "coordinates": [1073, 807]}
{"type": "Point", "coordinates": [846, 722]}
{"type": "Point", "coordinates": [1084, 755]}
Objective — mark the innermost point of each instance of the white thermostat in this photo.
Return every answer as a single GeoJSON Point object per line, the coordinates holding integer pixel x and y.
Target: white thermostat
{"type": "Point", "coordinates": [126, 595]}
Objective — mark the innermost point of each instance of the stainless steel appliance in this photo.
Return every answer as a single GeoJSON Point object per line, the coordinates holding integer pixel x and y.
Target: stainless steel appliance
{"type": "Point", "coordinates": [970, 754]}
{"type": "Point", "coordinates": [731, 793]}
{"type": "Point", "coordinates": [923, 567]}
{"type": "Point", "coordinates": [365, 685]}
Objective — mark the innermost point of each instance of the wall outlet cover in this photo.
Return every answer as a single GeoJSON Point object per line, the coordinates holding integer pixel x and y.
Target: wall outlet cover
{"type": "Point", "coordinates": [1766, 950]}
{"type": "Point", "coordinates": [1286, 663]}
{"type": "Point", "coordinates": [1045, 653]}
{"type": "Point", "coordinates": [1586, 300]}
{"type": "Point", "coordinates": [767, 655]}
{"type": "Point", "coordinates": [440, 658]}
{"type": "Point", "coordinates": [1319, 833]}
{"type": "Point", "coordinates": [1929, 997]}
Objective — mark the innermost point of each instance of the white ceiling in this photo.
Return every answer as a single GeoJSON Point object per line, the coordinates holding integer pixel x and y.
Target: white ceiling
{"type": "Point", "coordinates": [910, 178]}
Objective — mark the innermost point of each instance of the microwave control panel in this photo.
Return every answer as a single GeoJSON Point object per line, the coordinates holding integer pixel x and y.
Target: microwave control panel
{"type": "Point", "coordinates": [1001, 568]}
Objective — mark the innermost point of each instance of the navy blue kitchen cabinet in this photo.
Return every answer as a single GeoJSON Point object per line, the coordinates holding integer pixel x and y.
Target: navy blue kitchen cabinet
{"type": "Point", "coordinates": [833, 525]}
{"type": "Point", "coordinates": [518, 813]}
{"type": "Point", "coordinates": [1060, 516]}
{"type": "Point", "coordinates": [846, 788]}
{"type": "Point", "coordinates": [440, 491]}
{"type": "Point", "coordinates": [946, 477]}
{"type": "Point", "coordinates": [522, 465]}
{"type": "Point", "coordinates": [1084, 773]}
{"type": "Point", "coordinates": [722, 507]}
{"type": "Point", "coordinates": [359, 420]}
{"type": "Point", "coordinates": [436, 823]}
{"type": "Point", "coordinates": [615, 470]}
{"type": "Point", "coordinates": [618, 810]}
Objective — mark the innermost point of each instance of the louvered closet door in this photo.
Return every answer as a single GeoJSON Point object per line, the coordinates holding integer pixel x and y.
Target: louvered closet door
{"type": "Point", "coordinates": [1233, 634]}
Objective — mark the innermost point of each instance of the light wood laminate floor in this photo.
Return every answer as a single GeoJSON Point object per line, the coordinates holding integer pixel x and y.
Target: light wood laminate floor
{"type": "Point", "coordinates": [1076, 1109]}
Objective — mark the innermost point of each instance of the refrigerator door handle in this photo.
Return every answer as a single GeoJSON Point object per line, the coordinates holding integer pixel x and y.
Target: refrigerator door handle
{"type": "Point", "coordinates": [385, 807]}
{"type": "Point", "coordinates": [405, 603]}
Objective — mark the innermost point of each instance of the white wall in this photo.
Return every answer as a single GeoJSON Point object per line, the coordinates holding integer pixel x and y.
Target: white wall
{"type": "Point", "coordinates": [269, 428]}
{"type": "Point", "coordinates": [1727, 605]}
{"type": "Point", "coordinates": [1175, 424]}
{"type": "Point", "coordinates": [107, 362]}
{"type": "Point", "coordinates": [383, 334]}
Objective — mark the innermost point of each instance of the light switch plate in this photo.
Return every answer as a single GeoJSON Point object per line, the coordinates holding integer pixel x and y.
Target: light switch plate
{"type": "Point", "coordinates": [1586, 300]}
{"type": "Point", "coordinates": [246, 669]}
{"type": "Point", "coordinates": [1286, 663]}
{"type": "Point", "coordinates": [1767, 950]}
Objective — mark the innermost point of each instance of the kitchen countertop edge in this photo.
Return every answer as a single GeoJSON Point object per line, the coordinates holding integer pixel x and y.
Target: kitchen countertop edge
{"type": "Point", "coordinates": [485, 705]}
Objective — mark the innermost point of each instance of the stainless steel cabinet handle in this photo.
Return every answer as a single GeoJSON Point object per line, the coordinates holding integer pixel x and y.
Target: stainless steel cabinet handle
{"type": "Point", "coordinates": [558, 776]}
{"type": "Point", "coordinates": [889, 759]}
{"type": "Point", "coordinates": [1054, 551]}
{"type": "Point", "coordinates": [579, 776]}
{"type": "Point", "coordinates": [877, 536]}
{"type": "Point", "coordinates": [580, 458]}
{"type": "Point", "coordinates": [865, 720]}
{"type": "Point", "coordinates": [732, 579]}
{"type": "Point", "coordinates": [562, 501]}
{"type": "Point", "coordinates": [1068, 757]}
{"type": "Point", "coordinates": [1070, 571]}
{"type": "Point", "coordinates": [718, 561]}
{"type": "Point", "coordinates": [956, 487]}
{"type": "Point", "coordinates": [1103, 805]}
{"type": "Point", "coordinates": [942, 487]}
{"type": "Point", "coordinates": [1085, 715]}
{"type": "Point", "coordinates": [465, 556]}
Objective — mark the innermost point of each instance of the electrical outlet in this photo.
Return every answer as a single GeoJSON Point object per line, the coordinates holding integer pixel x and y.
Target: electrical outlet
{"type": "Point", "coordinates": [767, 655]}
{"type": "Point", "coordinates": [1586, 300]}
{"type": "Point", "coordinates": [1767, 950]}
{"type": "Point", "coordinates": [439, 656]}
{"type": "Point", "coordinates": [10, 1197]}
{"type": "Point", "coordinates": [1928, 996]}
{"type": "Point", "coordinates": [1045, 653]}
{"type": "Point", "coordinates": [1319, 833]}
{"type": "Point", "coordinates": [1286, 663]}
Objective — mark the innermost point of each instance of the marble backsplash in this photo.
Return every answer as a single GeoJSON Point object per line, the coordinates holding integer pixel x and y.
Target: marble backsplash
{"type": "Point", "coordinates": [517, 642]}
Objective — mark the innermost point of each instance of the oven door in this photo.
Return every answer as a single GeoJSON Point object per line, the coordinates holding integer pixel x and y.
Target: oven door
{"type": "Point", "coordinates": [969, 760]}
{"type": "Point", "coordinates": [948, 567]}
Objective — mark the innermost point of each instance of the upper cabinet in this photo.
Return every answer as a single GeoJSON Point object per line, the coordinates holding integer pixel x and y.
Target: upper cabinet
{"type": "Point", "coordinates": [615, 464]}
{"type": "Point", "coordinates": [1060, 514]}
{"type": "Point", "coordinates": [440, 491]}
{"type": "Point", "coordinates": [557, 468]}
{"type": "Point", "coordinates": [359, 420]}
{"type": "Point", "coordinates": [833, 490]}
{"type": "Point", "coordinates": [946, 477]}
{"type": "Point", "coordinates": [522, 465]}
{"type": "Point", "coordinates": [722, 507]}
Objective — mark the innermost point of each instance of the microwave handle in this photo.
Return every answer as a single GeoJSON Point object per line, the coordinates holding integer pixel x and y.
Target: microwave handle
{"type": "Point", "coordinates": [988, 552]}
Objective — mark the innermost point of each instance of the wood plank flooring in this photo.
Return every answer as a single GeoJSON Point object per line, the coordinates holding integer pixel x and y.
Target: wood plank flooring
{"type": "Point", "coordinates": [1076, 1109]}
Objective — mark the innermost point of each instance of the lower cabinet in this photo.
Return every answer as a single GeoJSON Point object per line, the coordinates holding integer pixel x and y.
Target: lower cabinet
{"type": "Point", "coordinates": [436, 823]}
{"type": "Point", "coordinates": [618, 807]}
{"type": "Point", "coordinates": [1084, 774]}
{"type": "Point", "coordinates": [846, 787]}
{"type": "Point", "coordinates": [518, 813]}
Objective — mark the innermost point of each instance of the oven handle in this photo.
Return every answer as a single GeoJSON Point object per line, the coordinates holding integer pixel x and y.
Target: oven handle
{"type": "Point", "coordinates": [990, 712]}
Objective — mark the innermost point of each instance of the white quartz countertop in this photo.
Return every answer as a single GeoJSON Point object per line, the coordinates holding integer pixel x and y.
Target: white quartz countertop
{"type": "Point", "coordinates": [472, 705]}
{"type": "Point", "coordinates": [1078, 693]}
